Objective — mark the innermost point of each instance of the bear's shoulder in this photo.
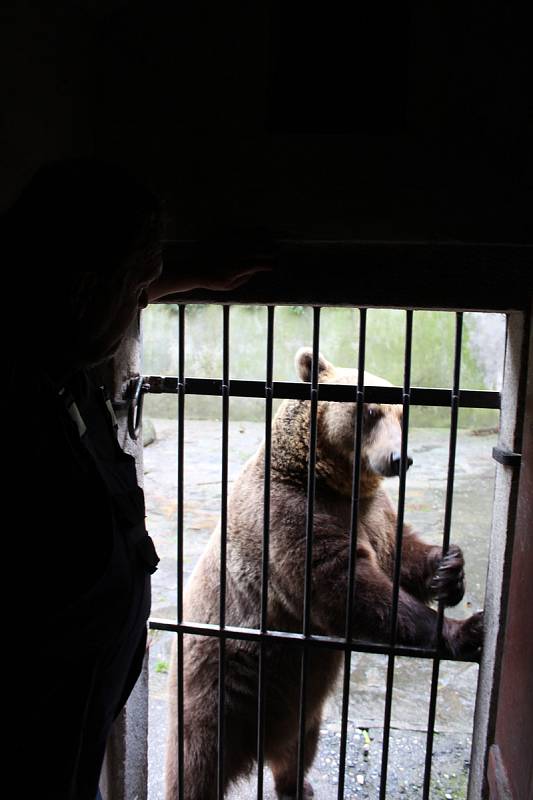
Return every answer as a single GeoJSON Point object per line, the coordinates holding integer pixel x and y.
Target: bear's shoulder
{"type": "Point", "coordinates": [290, 442]}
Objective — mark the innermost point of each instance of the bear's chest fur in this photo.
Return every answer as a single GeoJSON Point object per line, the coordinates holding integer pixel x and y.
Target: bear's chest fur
{"type": "Point", "coordinates": [288, 525]}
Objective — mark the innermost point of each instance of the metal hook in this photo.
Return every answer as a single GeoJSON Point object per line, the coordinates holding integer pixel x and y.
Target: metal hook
{"type": "Point", "coordinates": [136, 389]}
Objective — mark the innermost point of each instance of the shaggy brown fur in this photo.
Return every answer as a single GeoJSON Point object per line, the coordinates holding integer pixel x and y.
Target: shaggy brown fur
{"type": "Point", "coordinates": [424, 575]}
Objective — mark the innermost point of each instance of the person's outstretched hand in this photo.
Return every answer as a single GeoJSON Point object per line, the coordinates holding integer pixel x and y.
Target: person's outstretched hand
{"type": "Point", "coordinates": [221, 262]}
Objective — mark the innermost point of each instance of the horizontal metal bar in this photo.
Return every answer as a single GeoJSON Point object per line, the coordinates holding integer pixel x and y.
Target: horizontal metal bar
{"type": "Point", "coordinates": [285, 390]}
{"type": "Point", "coordinates": [290, 638]}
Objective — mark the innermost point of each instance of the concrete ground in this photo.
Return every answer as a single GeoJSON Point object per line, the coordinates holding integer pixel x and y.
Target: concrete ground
{"type": "Point", "coordinates": [425, 497]}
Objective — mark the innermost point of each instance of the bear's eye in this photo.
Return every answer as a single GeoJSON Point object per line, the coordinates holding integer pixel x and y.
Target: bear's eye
{"type": "Point", "coordinates": [372, 414]}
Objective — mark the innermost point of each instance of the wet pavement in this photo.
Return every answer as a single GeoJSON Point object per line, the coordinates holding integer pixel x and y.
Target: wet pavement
{"type": "Point", "coordinates": [425, 503]}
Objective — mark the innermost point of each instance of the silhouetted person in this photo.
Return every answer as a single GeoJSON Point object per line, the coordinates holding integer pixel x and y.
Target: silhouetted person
{"type": "Point", "coordinates": [82, 254]}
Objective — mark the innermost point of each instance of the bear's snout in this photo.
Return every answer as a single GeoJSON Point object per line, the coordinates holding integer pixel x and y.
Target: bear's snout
{"type": "Point", "coordinates": [385, 462]}
{"type": "Point", "coordinates": [395, 460]}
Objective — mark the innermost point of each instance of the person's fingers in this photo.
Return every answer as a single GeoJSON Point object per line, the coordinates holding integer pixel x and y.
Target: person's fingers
{"type": "Point", "coordinates": [246, 271]}
{"type": "Point", "coordinates": [228, 285]}
{"type": "Point", "coordinates": [238, 282]}
{"type": "Point", "coordinates": [231, 280]}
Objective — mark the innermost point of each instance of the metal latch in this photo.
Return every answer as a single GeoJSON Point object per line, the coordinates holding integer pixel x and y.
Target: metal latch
{"type": "Point", "coordinates": [506, 457]}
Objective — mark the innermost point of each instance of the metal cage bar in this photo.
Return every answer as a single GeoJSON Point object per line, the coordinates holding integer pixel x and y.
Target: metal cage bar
{"type": "Point", "coordinates": [398, 552]}
{"type": "Point", "coordinates": [313, 392]}
{"type": "Point", "coordinates": [223, 548]}
{"type": "Point", "coordinates": [308, 548]}
{"type": "Point", "coordinates": [454, 418]}
{"type": "Point", "coordinates": [352, 558]}
{"type": "Point", "coordinates": [265, 554]}
{"type": "Point", "coordinates": [180, 535]}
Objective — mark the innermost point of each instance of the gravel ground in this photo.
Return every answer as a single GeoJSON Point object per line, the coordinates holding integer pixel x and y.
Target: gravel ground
{"type": "Point", "coordinates": [424, 508]}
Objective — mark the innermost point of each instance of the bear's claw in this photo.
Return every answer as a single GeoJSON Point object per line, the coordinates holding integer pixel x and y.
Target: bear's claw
{"type": "Point", "coordinates": [448, 582]}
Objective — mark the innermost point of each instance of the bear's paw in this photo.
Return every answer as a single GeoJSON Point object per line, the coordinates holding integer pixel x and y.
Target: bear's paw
{"type": "Point", "coordinates": [448, 582]}
{"type": "Point", "coordinates": [467, 640]}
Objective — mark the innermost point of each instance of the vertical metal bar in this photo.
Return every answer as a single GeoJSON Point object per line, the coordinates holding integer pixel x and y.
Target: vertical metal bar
{"type": "Point", "coordinates": [445, 545]}
{"type": "Point", "coordinates": [180, 533]}
{"type": "Point", "coordinates": [309, 547]}
{"type": "Point", "coordinates": [398, 553]}
{"type": "Point", "coordinates": [266, 548]}
{"type": "Point", "coordinates": [352, 560]}
{"type": "Point", "coordinates": [223, 535]}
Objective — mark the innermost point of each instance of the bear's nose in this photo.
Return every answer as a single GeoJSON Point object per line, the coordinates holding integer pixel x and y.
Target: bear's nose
{"type": "Point", "coordinates": [395, 460]}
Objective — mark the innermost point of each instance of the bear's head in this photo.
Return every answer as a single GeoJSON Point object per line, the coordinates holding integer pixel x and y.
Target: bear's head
{"type": "Point", "coordinates": [336, 421]}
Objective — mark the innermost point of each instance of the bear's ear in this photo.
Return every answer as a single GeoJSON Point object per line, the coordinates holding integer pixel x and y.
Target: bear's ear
{"type": "Point", "coordinates": [304, 362]}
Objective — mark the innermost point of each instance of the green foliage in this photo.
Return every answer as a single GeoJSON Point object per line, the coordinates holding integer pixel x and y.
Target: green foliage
{"type": "Point", "coordinates": [194, 308]}
{"type": "Point", "coordinates": [432, 353]}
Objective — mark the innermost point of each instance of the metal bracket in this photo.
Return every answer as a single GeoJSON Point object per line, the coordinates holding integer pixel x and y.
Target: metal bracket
{"type": "Point", "coordinates": [155, 384]}
{"type": "Point", "coordinates": [506, 457]}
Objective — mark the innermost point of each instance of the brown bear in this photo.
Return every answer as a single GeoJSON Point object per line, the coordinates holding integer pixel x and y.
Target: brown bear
{"type": "Point", "coordinates": [425, 575]}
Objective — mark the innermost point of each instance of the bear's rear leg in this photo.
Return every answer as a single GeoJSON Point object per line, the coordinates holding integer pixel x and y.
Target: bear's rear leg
{"type": "Point", "coordinates": [284, 767]}
{"type": "Point", "coordinates": [200, 768]}
{"type": "Point", "coordinates": [201, 759]}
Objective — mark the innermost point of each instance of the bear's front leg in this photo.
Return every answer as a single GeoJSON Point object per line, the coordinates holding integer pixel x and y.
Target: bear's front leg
{"type": "Point", "coordinates": [284, 766]}
{"type": "Point", "coordinates": [427, 574]}
{"type": "Point", "coordinates": [416, 623]}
